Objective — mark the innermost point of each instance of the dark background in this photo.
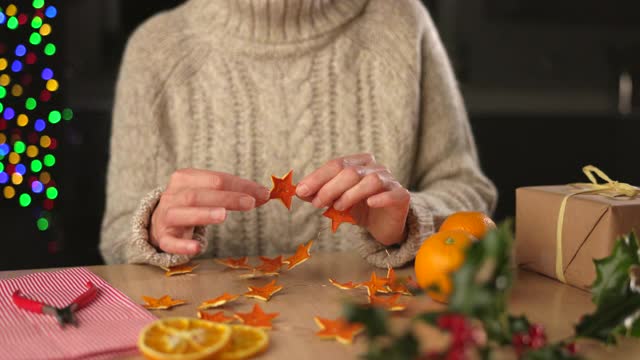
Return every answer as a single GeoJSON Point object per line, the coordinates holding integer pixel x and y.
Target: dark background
{"type": "Point", "coordinates": [541, 79]}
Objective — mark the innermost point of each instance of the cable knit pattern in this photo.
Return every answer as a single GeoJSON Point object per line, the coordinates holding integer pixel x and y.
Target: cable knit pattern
{"type": "Point", "coordinates": [259, 87]}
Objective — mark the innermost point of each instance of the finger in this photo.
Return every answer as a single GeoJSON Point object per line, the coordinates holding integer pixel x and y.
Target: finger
{"type": "Point", "coordinates": [229, 200]}
{"type": "Point", "coordinates": [334, 188]}
{"type": "Point", "coordinates": [198, 178]}
{"type": "Point", "coordinates": [397, 196]}
{"type": "Point", "coordinates": [174, 245]}
{"type": "Point", "coordinates": [372, 184]}
{"type": "Point", "coordinates": [194, 216]}
{"type": "Point", "coordinates": [313, 182]}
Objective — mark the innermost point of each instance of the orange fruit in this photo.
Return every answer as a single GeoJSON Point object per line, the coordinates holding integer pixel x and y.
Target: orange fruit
{"type": "Point", "coordinates": [474, 222]}
{"type": "Point", "coordinates": [246, 341]}
{"type": "Point", "coordinates": [183, 338]}
{"type": "Point", "coordinates": [441, 254]}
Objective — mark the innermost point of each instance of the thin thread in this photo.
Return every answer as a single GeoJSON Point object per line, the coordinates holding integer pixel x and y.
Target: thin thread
{"type": "Point", "coordinates": [375, 131]}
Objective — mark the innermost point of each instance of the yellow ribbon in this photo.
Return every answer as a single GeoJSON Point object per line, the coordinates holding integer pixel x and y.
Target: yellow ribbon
{"type": "Point", "coordinates": [610, 188]}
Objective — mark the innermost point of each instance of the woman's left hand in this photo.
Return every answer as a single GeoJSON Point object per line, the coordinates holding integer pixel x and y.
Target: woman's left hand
{"type": "Point", "coordinates": [378, 202]}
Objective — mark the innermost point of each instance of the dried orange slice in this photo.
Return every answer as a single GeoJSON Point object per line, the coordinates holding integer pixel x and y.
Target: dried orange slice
{"type": "Point", "coordinates": [183, 338]}
{"type": "Point", "coordinates": [246, 341]}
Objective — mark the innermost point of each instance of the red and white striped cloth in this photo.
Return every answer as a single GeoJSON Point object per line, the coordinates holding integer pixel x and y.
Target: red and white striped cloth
{"type": "Point", "coordinates": [107, 327]}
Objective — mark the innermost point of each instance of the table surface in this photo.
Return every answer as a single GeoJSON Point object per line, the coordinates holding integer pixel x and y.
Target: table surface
{"type": "Point", "coordinates": [307, 293]}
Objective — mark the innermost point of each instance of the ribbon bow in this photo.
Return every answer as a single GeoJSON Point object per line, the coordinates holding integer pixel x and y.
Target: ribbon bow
{"type": "Point", "coordinates": [609, 188]}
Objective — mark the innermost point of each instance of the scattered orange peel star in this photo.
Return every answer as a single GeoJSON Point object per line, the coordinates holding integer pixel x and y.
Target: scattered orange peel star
{"type": "Point", "coordinates": [375, 285]}
{"type": "Point", "coordinates": [219, 301]}
{"type": "Point", "coordinates": [270, 266]}
{"type": "Point", "coordinates": [257, 317]}
{"type": "Point", "coordinates": [338, 217]}
{"type": "Point", "coordinates": [218, 317]}
{"type": "Point", "coordinates": [395, 285]}
{"type": "Point", "coordinates": [179, 269]}
{"type": "Point", "coordinates": [240, 263]}
{"type": "Point", "coordinates": [387, 302]}
{"type": "Point", "coordinates": [283, 189]}
{"type": "Point", "coordinates": [338, 329]}
{"type": "Point", "coordinates": [303, 253]}
{"type": "Point", "coordinates": [163, 303]}
{"type": "Point", "coordinates": [344, 286]}
{"type": "Point", "coordinates": [265, 292]}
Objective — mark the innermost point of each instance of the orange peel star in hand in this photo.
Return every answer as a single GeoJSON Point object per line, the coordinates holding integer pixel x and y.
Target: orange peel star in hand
{"type": "Point", "coordinates": [283, 189]}
{"type": "Point", "coordinates": [218, 317]}
{"type": "Point", "coordinates": [303, 253]}
{"type": "Point", "coordinates": [338, 329]}
{"type": "Point", "coordinates": [163, 303]}
{"type": "Point", "coordinates": [338, 217]}
{"type": "Point", "coordinates": [179, 269]}
{"type": "Point", "coordinates": [219, 301]}
{"type": "Point", "coordinates": [344, 286]}
{"type": "Point", "coordinates": [387, 302]}
{"type": "Point", "coordinates": [375, 285]}
{"type": "Point", "coordinates": [257, 317]}
{"type": "Point", "coordinates": [240, 263]}
{"type": "Point", "coordinates": [265, 292]}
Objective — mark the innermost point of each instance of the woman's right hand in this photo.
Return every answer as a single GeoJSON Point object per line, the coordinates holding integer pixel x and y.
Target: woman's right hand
{"type": "Point", "coordinates": [197, 198]}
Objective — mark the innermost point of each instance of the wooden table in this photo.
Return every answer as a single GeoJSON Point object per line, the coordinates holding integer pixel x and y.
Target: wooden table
{"type": "Point", "coordinates": [307, 293]}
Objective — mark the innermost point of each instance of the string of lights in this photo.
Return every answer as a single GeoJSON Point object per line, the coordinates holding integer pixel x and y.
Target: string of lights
{"type": "Point", "coordinates": [29, 111]}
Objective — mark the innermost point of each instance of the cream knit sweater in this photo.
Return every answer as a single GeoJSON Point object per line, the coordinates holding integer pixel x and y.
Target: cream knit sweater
{"type": "Point", "coordinates": [259, 87]}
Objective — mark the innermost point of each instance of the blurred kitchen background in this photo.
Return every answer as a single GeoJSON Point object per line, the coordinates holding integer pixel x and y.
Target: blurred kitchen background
{"type": "Point", "coordinates": [550, 86]}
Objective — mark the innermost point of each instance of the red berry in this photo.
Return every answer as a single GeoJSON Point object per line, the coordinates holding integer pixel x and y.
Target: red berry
{"type": "Point", "coordinates": [521, 339]}
{"type": "Point", "coordinates": [536, 330]}
{"type": "Point", "coordinates": [572, 348]}
{"type": "Point", "coordinates": [444, 321]}
{"type": "Point", "coordinates": [537, 342]}
{"type": "Point", "coordinates": [456, 353]}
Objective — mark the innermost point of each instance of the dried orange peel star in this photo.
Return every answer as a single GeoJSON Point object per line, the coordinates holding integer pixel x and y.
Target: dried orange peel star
{"type": "Point", "coordinates": [219, 301]}
{"type": "Point", "coordinates": [344, 286]}
{"type": "Point", "coordinates": [375, 285]}
{"type": "Point", "coordinates": [163, 303]}
{"type": "Point", "coordinates": [387, 302]}
{"type": "Point", "coordinates": [179, 269]}
{"type": "Point", "coordinates": [395, 285]}
{"type": "Point", "coordinates": [218, 317]}
{"type": "Point", "coordinates": [338, 217]}
{"type": "Point", "coordinates": [283, 189]}
{"type": "Point", "coordinates": [257, 317]}
{"type": "Point", "coordinates": [338, 329]}
{"type": "Point", "coordinates": [239, 263]}
{"type": "Point", "coordinates": [270, 266]}
{"type": "Point", "coordinates": [263, 293]}
{"type": "Point", "coordinates": [303, 253]}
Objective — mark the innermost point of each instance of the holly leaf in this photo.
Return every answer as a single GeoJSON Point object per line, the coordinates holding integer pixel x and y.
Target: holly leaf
{"type": "Point", "coordinates": [403, 347]}
{"type": "Point", "coordinates": [612, 272]}
{"type": "Point", "coordinates": [609, 319]}
{"type": "Point", "coordinates": [551, 352]}
{"type": "Point", "coordinates": [375, 320]}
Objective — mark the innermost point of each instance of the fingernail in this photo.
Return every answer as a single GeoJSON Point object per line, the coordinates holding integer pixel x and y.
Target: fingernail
{"type": "Point", "coordinates": [302, 190]}
{"type": "Point", "coordinates": [316, 202]}
{"type": "Point", "coordinates": [217, 214]}
{"type": "Point", "coordinates": [266, 194]}
{"type": "Point", "coordinates": [247, 202]}
{"type": "Point", "coordinates": [338, 206]}
{"type": "Point", "coordinates": [194, 248]}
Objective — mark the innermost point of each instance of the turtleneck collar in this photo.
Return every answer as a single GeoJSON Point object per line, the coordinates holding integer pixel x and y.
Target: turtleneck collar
{"type": "Point", "coordinates": [279, 21]}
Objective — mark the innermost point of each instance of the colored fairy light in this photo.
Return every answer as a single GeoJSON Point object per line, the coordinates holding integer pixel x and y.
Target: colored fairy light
{"type": "Point", "coordinates": [45, 141]}
{"type": "Point", "coordinates": [49, 160]}
{"type": "Point", "coordinates": [51, 12]}
{"type": "Point", "coordinates": [12, 23]}
{"type": "Point", "coordinates": [3, 139]}
{"type": "Point", "coordinates": [45, 30]}
{"type": "Point", "coordinates": [52, 85]}
{"type": "Point", "coordinates": [16, 178]}
{"type": "Point", "coordinates": [40, 125]}
{"type": "Point", "coordinates": [14, 158]}
{"type": "Point", "coordinates": [3, 64]}
{"type": "Point", "coordinates": [1, 167]}
{"type": "Point", "coordinates": [4, 177]}
{"type": "Point", "coordinates": [43, 224]}
{"type": "Point", "coordinates": [9, 192]}
{"type": "Point", "coordinates": [31, 58]}
{"type": "Point", "coordinates": [37, 187]}
{"type": "Point", "coordinates": [17, 90]}
{"type": "Point", "coordinates": [16, 66]}
{"type": "Point", "coordinates": [20, 50]}
{"type": "Point", "coordinates": [36, 22]}
{"type": "Point", "coordinates": [3, 92]}
{"type": "Point", "coordinates": [54, 116]}
{"type": "Point", "coordinates": [22, 120]}
{"type": "Point", "coordinates": [52, 193]}
{"type": "Point", "coordinates": [22, 19]}
{"type": "Point", "coordinates": [19, 147]}
{"type": "Point", "coordinates": [21, 169]}
{"type": "Point", "coordinates": [47, 74]}
{"type": "Point", "coordinates": [38, 4]}
{"type": "Point", "coordinates": [67, 114]}
{"type": "Point", "coordinates": [3, 18]}
{"type": "Point", "coordinates": [32, 151]}
{"type": "Point", "coordinates": [9, 113]}
{"type": "Point", "coordinates": [5, 80]}
{"type": "Point", "coordinates": [4, 149]}
{"type": "Point", "coordinates": [11, 10]}
{"type": "Point", "coordinates": [35, 38]}
{"type": "Point", "coordinates": [25, 200]}
{"type": "Point", "coordinates": [30, 104]}
{"type": "Point", "coordinates": [50, 49]}
{"type": "Point", "coordinates": [36, 166]}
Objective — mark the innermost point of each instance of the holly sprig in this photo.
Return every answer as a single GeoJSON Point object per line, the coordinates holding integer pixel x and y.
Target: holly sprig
{"type": "Point", "coordinates": [477, 315]}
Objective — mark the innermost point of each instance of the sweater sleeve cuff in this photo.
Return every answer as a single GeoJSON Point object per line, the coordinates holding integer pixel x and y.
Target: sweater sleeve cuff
{"type": "Point", "coordinates": [419, 225]}
{"type": "Point", "coordinates": [140, 250]}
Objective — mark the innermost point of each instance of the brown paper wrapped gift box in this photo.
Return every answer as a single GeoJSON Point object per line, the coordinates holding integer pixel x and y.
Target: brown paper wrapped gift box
{"type": "Point", "coordinates": [591, 225]}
